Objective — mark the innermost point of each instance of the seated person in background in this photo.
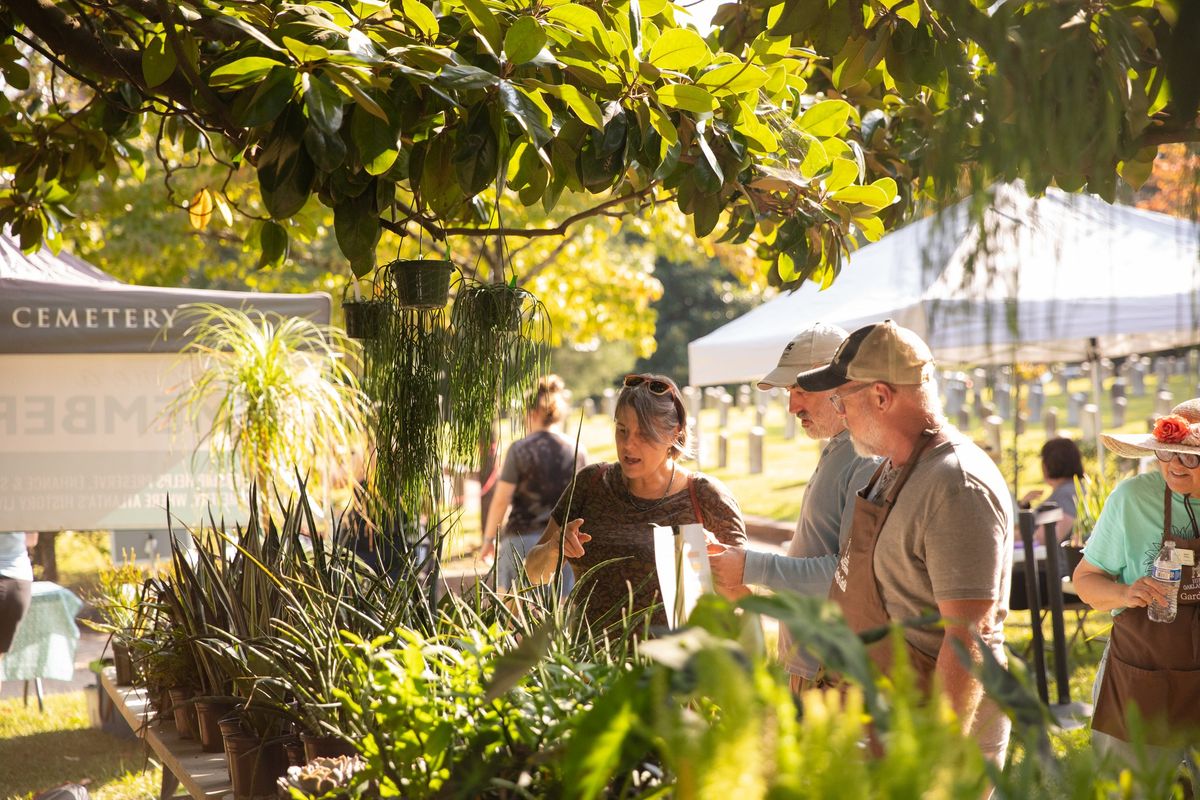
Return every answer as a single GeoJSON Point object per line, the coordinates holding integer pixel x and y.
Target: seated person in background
{"type": "Point", "coordinates": [613, 508]}
{"type": "Point", "coordinates": [1062, 463]}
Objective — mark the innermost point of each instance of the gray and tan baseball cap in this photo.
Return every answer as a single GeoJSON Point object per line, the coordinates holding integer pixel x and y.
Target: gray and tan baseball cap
{"type": "Point", "coordinates": [883, 351]}
{"type": "Point", "coordinates": [812, 347]}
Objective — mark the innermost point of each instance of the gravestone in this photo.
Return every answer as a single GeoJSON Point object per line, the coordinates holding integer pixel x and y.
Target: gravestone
{"type": "Point", "coordinates": [1050, 420]}
{"type": "Point", "coordinates": [760, 415]}
{"type": "Point", "coordinates": [1137, 377]}
{"type": "Point", "coordinates": [723, 411]}
{"type": "Point", "coordinates": [1037, 400]}
{"type": "Point", "coordinates": [722, 450]}
{"type": "Point", "coordinates": [1064, 382]}
{"type": "Point", "coordinates": [964, 418]}
{"type": "Point", "coordinates": [1089, 421]}
{"type": "Point", "coordinates": [1074, 406]}
{"type": "Point", "coordinates": [992, 427]}
{"type": "Point", "coordinates": [1119, 407]}
{"type": "Point", "coordinates": [756, 450]}
{"type": "Point", "coordinates": [1117, 389]}
{"type": "Point", "coordinates": [608, 402]}
{"type": "Point", "coordinates": [789, 426]}
{"type": "Point", "coordinates": [589, 407]}
{"type": "Point", "coordinates": [1003, 396]}
{"type": "Point", "coordinates": [1021, 423]}
{"type": "Point", "coordinates": [743, 396]}
{"type": "Point", "coordinates": [1164, 401]}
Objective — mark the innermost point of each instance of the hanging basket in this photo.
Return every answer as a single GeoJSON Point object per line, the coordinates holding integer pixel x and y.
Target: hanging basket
{"type": "Point", "coordinates": [364, 318]}
{"type": "Point", "coordinates": [422, 283]}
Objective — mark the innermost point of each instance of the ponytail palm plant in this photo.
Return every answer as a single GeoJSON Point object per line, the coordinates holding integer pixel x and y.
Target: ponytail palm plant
{"type": "Point", "coordinates": [274, 397]}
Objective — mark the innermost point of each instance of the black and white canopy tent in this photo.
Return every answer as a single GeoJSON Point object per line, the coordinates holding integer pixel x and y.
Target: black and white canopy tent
{"type": "Point", "coordinates": [87, 364]}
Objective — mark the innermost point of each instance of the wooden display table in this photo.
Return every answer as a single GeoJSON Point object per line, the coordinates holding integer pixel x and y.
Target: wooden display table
{"type": "Point", "coordinates": [202, 775]}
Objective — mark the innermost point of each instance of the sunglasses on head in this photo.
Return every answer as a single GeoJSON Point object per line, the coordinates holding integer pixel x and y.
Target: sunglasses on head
{"type": "Point", "coordinates": [653, 384]}
{"type": "Point", "coordinates": [1188, 460]}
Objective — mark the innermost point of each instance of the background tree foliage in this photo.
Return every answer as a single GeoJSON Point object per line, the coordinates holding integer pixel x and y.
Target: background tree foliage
{"type": "Point", "coordinates": [794, 126]}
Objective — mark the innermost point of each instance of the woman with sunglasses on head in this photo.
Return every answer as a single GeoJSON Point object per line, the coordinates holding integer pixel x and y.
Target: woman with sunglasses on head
{"type": "Point", "coordinates": [1153, 667]}
{"type": "Point", "coordinates": [613, 507]}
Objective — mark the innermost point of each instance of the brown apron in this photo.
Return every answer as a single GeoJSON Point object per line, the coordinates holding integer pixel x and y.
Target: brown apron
{"type": "Point", "coordinates": [1155, 666]}
{"type": "Point", "coordinates": [854, 587]}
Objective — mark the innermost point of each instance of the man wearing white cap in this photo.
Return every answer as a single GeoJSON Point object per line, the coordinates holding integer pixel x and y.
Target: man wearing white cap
{"type": "Point", "coordinates": [824, 517]}
{"type": "Point", "coordinates": [931, 529]}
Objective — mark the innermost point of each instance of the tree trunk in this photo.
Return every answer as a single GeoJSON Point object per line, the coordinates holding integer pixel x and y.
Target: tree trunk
{"type": "Point", "coordinates": [45, 556]}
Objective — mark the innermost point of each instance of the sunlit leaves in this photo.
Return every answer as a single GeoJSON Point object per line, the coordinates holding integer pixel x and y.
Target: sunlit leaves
{"type": "Point", "coordinates": [158, 61]}
{"type": "Point", "coordinates": [826, 118]}
{"type": "Point", "coordinates": [679, 49]}
{"type": "Point", "coordinates": [686, 97]}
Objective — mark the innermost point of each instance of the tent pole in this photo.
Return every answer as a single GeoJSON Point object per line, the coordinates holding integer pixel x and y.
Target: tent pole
{"type": "Point", "coordinates": [1016, 413]}
{"type": "Point", "coordinates": [1093, 351]}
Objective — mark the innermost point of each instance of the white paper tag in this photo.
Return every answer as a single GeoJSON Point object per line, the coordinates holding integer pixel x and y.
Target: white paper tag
{"type": "Point", "coordinates": [683, 571]}
{"type": "Point", "coordinates": [1186, 557]}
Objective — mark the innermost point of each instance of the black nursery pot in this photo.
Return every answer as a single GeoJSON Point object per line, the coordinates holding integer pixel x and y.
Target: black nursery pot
{"type": "Point", "coordinates": [364, 318]}
{"type": "Point", "coordinates": [422, 283]}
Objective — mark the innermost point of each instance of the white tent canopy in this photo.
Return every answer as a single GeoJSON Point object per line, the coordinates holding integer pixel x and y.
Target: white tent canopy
{"type": "Point", "coordinates": [1056, 272]}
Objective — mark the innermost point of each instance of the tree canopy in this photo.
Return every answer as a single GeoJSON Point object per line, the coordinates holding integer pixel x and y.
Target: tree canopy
{"type": "Point", "coordinates": [799, 127]}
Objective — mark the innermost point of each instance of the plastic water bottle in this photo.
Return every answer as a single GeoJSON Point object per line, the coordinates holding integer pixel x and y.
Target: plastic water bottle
{"type": "Point", "coordinates": [1166, 572]}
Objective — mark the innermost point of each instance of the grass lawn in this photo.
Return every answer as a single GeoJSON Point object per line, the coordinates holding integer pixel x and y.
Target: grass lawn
{"type": "Point", "coordinates": [38, 751]}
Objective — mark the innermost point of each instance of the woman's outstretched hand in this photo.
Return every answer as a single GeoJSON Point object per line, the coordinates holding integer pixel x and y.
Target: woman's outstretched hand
{"type": "Point", "coordinates": [574, 539]}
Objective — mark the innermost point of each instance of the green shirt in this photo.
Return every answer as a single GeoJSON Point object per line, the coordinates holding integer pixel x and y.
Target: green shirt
{"type": "Point", "coordinates": [1128, 535]}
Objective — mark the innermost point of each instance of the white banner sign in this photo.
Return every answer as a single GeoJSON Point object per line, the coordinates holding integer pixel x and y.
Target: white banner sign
{"type": "Point", "coordinates": [84, 445]}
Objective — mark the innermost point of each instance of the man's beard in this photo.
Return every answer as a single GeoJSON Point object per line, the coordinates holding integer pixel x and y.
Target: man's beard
{"type": "Point", "coordinates": [866, 446]}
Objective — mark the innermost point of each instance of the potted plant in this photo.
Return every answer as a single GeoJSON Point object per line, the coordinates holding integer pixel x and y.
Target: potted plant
{"type": "Point", "coordinates": [364, 315]}
{"type": "Point", "coordinates": [287, 402]}
{"type": "Point", "coordinates": [421, 282]}
{"type": "Point", "coordinates": [118, 602]}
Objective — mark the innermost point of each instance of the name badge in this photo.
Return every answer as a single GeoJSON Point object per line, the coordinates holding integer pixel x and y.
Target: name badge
{"type": "Point", "coordinates": [1186, 557]}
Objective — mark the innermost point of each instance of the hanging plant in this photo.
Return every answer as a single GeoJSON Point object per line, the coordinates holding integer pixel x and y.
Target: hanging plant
{"type": "Point", "coordinates": [421, 282]}
{"type": "Point", "coordinates": [364, 315]}
{"type": "Point", "coordinates": [501, 346]}
{"type": "Point", "coordinates": [404, 375]}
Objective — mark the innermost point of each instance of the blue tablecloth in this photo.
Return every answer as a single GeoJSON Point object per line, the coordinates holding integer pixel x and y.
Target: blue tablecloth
{"type": "Point", "coordinates": [44, 645]}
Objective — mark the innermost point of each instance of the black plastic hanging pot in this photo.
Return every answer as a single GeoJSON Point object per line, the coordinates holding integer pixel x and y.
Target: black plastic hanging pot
{"type": "Point", "coordinates": [422, 283]}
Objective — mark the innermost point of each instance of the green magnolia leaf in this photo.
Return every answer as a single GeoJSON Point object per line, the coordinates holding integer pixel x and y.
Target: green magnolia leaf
{"type": "Point", "coordinates": [584, 107]}
{"type": "Point", "coordinates": [739, 79]}
{"type": "Point", "coordinates": [421, 16]}
{"type": "Point", "coordinates": [273, 244]}
{"type": "Point", "coordinates": [476, 152]}
{"type": "Point", "coordinates": [323, 102]}
{"type": "Point", "coordinates": [583, 21]}
{"type": "Point", "coordinates": [679, 49]}
{"type": "Point", "coordinates": [827, 118]}
{"type": "Point", "coordinates": [328, 150]}
{"type": "Point", "coordinates": [527, 113]}
{"type": "Point", "coordinates": [888, 187]}
{"type": "Point", "coordinates": [263, 104]}
{"type": "Point", "coordinates": [662, 123]}
{"type": "Point", "coordinates": [870, 196]}
{"type": "Point", "coordinates": [524, 40]}
{"type": "Point", "coordinates": [361, 98]}
{"type": "Point", "coordinates": [871, 227]}
{"type": "Point", "coordinates": [243, 71]}
{"type": "Point", "coordinates": [845, 172]}
{"type": "Point", "coordinates": [797, 16]}
{"type": "Point", "coordinates": [158, 61]}
{"type": "Point", "coordinates": [376, 141]}
{"type": "Point", "coordinates": [485, 22]}
{"type": "Point", "coordinates": [305, 53]}
{"type": "Point", "coordinates": [285, 171]}
{"type": "Point", "coordinates": [687, 97]}
{"type": "Point", "coordinates": [356, 226]}
{"type": "Point", "coordinates": [858, 57]}
{"type": "Point", "coordinates": [706, 213]}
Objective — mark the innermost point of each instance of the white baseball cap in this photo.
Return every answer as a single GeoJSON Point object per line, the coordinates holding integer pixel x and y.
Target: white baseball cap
{"type": "Point", "coordinates": [812, 347]}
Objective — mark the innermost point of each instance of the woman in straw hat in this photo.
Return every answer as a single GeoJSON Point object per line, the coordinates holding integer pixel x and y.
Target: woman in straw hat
{"type": "Point", "coordinates": [1150, 667]}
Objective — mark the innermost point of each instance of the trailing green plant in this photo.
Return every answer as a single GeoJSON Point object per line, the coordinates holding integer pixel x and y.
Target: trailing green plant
{"type": "Point", "coordinates": [501, 347]}
{"type": "Point", "coordinates": [1091, 494]}
{"type": "Point", "coordinates": [287, 400]}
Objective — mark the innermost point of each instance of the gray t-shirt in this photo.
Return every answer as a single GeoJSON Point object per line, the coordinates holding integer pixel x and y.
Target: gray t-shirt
{"type": "Point", "coordinates": [540, 467]}
{"type": "Point", "coordinates": [824, 523]}
{"type": "Point", "coordinates": [949, 537]}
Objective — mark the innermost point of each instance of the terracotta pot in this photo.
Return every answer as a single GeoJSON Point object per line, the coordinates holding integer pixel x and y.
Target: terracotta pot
{"type": "Point", "coordinates": [320, 746]}
{"type": "Point", "coordinates": [254, 765]}
{"type": "Point", "coordinates": [422, 283]}
{"type": "Point", "coordinates": [185, 713]}
{"type": "Point", "coordinates": [209, 712]}
{"type": "Point", "coordinates": [123, 663]}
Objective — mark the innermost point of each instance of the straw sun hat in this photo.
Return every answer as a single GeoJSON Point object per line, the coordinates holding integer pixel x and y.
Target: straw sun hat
{"type": "Point", "coordinates": [1178, 432]}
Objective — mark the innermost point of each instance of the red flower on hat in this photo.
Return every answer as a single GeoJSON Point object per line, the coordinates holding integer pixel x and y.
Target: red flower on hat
{"type": "Point", "coordinates": [1171, 429]}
